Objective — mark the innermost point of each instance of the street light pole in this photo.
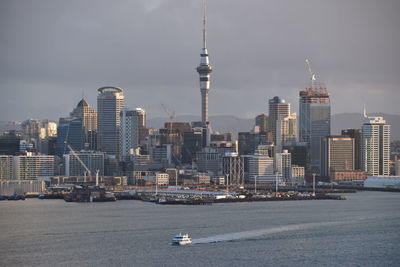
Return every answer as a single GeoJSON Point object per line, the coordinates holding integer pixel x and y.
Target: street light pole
{"type": "Point", "coordinates": [313, 184]}
{"type": "Point", "coordinates": [227, 183]}
{"type": "Point", "coordinates": [255, 184]}
{"type": "Point", "coordinates": [156, 185]}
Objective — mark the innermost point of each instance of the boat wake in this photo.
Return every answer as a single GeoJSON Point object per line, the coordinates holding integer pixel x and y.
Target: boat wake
{"type": "Point", "coordinates": [259, 233]}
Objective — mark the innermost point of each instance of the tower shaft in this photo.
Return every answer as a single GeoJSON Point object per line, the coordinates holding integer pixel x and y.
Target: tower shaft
{"type": "Point", "coordinates": [204, 70]}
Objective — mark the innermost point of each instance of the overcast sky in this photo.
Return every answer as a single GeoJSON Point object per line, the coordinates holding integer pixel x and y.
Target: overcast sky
{"type": "Point", "coordinates": [53, 51]}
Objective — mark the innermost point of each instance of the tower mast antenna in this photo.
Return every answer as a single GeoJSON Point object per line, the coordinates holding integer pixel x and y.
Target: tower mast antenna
{"type": "Point", "coordinates": [204, 24]}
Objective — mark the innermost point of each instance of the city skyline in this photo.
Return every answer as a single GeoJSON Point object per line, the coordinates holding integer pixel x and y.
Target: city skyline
{"type": "Point", "coordinates": [71, 51]}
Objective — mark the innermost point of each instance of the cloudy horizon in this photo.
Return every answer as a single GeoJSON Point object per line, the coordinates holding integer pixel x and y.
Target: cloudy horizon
{"type": "Point", "coordinates": [53, 52]}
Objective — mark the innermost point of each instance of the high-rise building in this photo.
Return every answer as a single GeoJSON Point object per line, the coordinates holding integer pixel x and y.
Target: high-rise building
{"type": "Point", "coordinates": [110, 101]}
{"type": "Point", "coordinates": [284, 165]}
{"type": "Point", "coordinates": [299, 152]}
{"type": "Point", "coordinates": [314, 121]}
{"type": "Point", "coordinates": [277, 107]}
{"type": "Point", "coordinates": [132, 121]}
{"type": "Point", "coordinates": [337, 154]}
{"type": "Point", "coordinates": [356, 134]}
{"type": "Point", "coordinates": [204, 70]}
{"type": "Point", "coordinates": [249, 141]}
{"type": "Point", "coordinates": [286, 130]}
{"type": "Point", "coordinates": [87, 114]}
{"type": "Point", "coordinates": [10, 143]}
{"type": "Point", "coordinates": [192, 143]}
{"type": "Point", "coordinates": [69, 132]}
{"type": "Point", "coordinates": [375, 146]}
{"type": "Point", "coordinates": [262, 122]}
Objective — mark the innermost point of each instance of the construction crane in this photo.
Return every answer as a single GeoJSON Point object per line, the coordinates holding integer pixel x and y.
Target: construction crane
{"type": "Point", "coordinates": [171, 114]}
{"type": "Point", "coordinates": [171, 118]}
{"type": "Point", "coordinates": [313, 77]}
{"type": "Point", "coordinates": [80, 161]}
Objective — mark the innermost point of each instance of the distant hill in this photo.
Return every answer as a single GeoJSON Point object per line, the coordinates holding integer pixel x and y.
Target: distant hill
{"type": "Point", "coordinates": [228, 123]}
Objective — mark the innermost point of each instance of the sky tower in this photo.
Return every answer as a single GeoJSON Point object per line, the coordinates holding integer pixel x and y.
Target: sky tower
{"type": "Point", "coordinates": [204, 70]}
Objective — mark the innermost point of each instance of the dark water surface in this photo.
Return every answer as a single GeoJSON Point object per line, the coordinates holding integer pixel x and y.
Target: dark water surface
{"type": "Point", "coordinates": [361, 231]}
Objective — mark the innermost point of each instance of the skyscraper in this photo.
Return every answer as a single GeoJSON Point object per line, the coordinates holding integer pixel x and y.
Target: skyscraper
{"type": "Point", "coordinates": [277, 107]}
{"type": "Point", "coordinates": [286, 130]}
{"type": "Point", "coordinates": [284, 165]}
{"type": "Point", "coordinates": [262, 122]}
{"type": "Point", "coordinates": [110, 101]}
{"type": "Point", "coordinates": [69, 132]}
{"type": "Point", "coordinates": [314, 120]}
{"type": "Point", "coordinates": [204, 70]}
{"type": "Point", "coordinates": [88, 115]}
{"type": "Point", "coordinates": [375, 146]}
{"type": "Point", "coordinates": [132, 121]}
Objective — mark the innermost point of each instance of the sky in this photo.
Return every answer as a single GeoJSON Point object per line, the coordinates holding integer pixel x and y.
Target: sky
{"type": "Point", "coordinates": [53, 52]}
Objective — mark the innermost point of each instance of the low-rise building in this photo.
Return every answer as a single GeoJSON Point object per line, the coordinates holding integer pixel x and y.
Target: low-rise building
{"type": "Point", "coordinates": [337, 176]}
{"type": "Point", "coordinates": [298, 174]}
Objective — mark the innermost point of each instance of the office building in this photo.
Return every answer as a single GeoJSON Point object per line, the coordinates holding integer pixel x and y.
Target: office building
{"type": "Point", "coordinates": [299, 152]}
{"type": "Point", "coordinates": [209, 159]}
{"type": "Point", "coordinates": [93, 161]}
{"type": "Point", "coordinates": [10, 143]}
{"type": "Point", "coordinates": [356, 134]}
{"type": "Point", "coordinates": [131, 125]}
{"type": "Point", "coordinates": [260, 168]}
{"type": "Point", "coordinates": [88, 115]}
{"type": "Point", "coordinates": [314, 121]}
{"type": "Point", "coordinates": [286, 130]}
{"type": "Point", "coordinates": [69, 132]}
{"type": "Point", "coordinates": [337, 153]}
{"type": "Point", "coordinates": [262, 122]}
{"type": "Point", "coordinates": [283, 163]}
{"type": "Point", "coordinates": [110, 101]}
{"type": "Point", "coordinates": [277, 108]}
{"type": "Point", "coordinates": [249, 141]}
{"type": "Point", "coordinates": [192, 143]}
{"type": "Point", "coordinates": [375, 146]}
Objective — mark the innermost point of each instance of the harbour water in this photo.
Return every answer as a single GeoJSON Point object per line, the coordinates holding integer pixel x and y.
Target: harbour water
{"type": "Point", "coordinates": [361, 231]}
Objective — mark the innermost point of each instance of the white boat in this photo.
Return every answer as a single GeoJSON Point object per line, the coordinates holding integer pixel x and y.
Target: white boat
{"type": "Point", "coordinates": [181, 240]}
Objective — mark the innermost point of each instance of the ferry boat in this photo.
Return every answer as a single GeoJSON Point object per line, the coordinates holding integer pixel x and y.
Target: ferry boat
{"type": "Point", "coordinates": [181, 240]}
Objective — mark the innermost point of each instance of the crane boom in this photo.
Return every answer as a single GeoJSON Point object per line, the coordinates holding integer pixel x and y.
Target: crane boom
{"type": "Point", "coordinates": [80, 161]}
{"type": "Point", "coordinates": [312, 74]}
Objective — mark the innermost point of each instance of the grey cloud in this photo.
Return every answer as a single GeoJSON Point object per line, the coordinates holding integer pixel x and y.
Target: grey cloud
{"type": "Point", "coordinates": [51, 51]}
